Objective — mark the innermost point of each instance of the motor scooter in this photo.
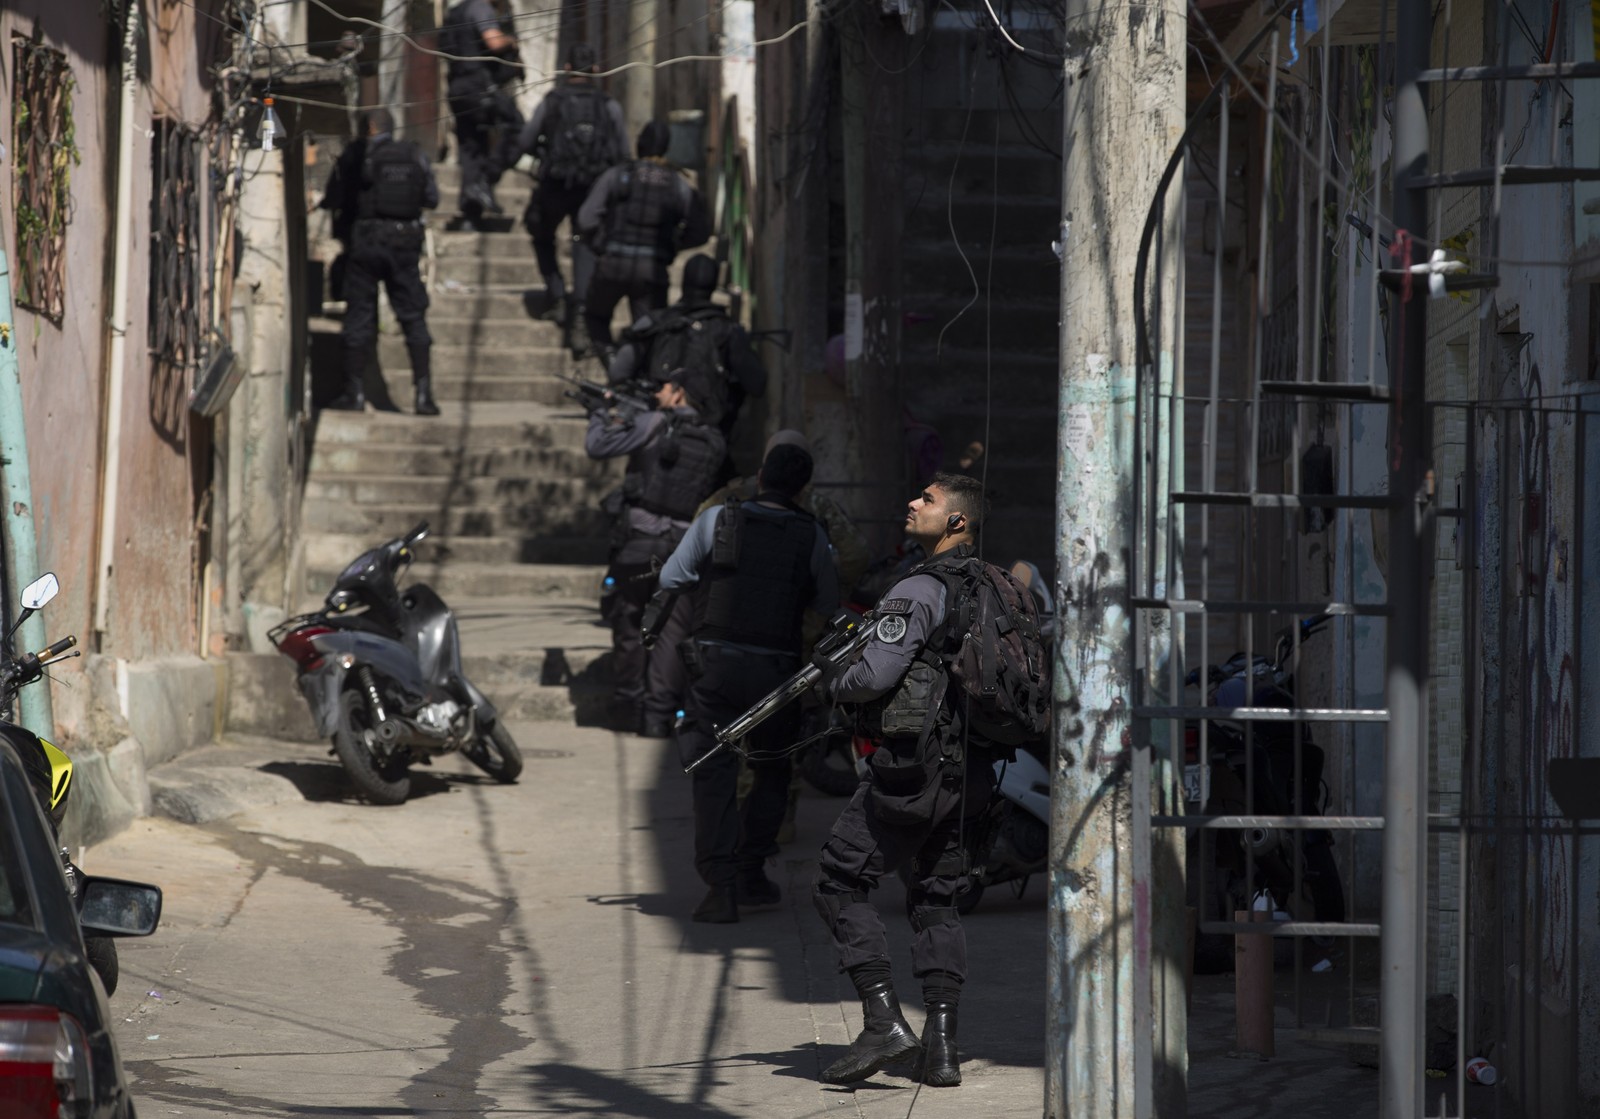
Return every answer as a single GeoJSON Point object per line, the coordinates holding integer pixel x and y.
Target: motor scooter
{"type": "Point", "coordinates": [49, 768]}
{"type": "Point", "coordinates": [381, 671]}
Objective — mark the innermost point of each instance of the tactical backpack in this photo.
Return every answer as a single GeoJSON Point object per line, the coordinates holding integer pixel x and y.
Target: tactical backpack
{"type": "Point", "coordinates": [398, 183]}
{"type": "Point", "coordinates": [998, 663]}
{"type": "Point", "coordinates": [579, 137]}
{"type": "Point", "coordinates": [679, 340]}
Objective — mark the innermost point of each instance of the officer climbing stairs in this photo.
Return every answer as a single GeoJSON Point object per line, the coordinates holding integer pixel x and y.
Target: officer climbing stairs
{"type": "Point", "coordinates": [518, 543]}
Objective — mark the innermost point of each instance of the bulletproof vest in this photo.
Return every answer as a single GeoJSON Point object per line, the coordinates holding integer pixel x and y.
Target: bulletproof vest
{"type": "Point", "coordinates": [579, 146]}
{"type": "Point", "coordinates": [393, 181]}
{"type": "Point", "coordinates": [462, 36]}
{"type": "Point", "coordinates": [651, 206]}
{"type": "Point", "coordinates": [674, 472]}
{"type": "Point", "coordinates": [760, 577]}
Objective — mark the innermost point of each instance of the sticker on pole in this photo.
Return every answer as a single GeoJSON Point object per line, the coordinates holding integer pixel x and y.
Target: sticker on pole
{"type": "Point", "coordinates": [891, 629]}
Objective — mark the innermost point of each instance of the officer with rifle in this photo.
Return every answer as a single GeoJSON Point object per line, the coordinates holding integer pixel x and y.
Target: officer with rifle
{"type": "Point", "coordinates": [576, 133]}
{"type": "Point", "coordinates": [384, 184]}
{"type": "Point", "coordinates": [638, 217]}
{"type": "Point", "coordinates": [756, 566]}
{"type": "Point", "coordinates": [673, 458]}
{"type": "Point", "coordinates": [484, 58]}
{"type": "Point", "coordinates": [697, 334]}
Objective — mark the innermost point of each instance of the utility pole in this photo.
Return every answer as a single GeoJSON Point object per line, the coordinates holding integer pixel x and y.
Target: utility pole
{"type": "Point", "coordinates": [392, 64]}
{"type": "Point", "coordinates": [639, 92]}
{"type": "Point", "coordinates": [1402, 994]}
{"type": "Point", "coordinates": [1123, 116]}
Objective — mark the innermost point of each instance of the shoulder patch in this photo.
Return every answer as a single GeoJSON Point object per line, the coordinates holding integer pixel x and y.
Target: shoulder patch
{"type": "Point", "coordinates": [891, 628]}
{"type": "Point", "coordinates": [895, 606]}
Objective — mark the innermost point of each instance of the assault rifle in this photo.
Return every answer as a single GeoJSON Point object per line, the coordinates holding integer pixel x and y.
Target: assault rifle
{"type": "Point", "coordinates": [844, 638]}
{"type": "Point", "coordinates": [629, 398]}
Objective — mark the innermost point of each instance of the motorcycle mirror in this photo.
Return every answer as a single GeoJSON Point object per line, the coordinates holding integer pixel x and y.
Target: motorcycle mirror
{"type": "Point", "coordinates": [40, 591]}
{"type": "Point", "coordinates": [112, 907]}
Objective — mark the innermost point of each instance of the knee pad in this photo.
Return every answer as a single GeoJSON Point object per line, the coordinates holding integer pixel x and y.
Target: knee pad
{"type": "Point", "coordinates": [924, 917]}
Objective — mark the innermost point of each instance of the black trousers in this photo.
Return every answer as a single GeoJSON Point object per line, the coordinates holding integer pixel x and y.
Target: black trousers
{"type": "Point", "coordinates": [641, 280]}
{"type": "Point", "coordinates": [387, 253]}
{"type": "Point", "coordinates": [650, 681]}
{"type": "Point", "coordinates": [487, 125]}
{"type": "Point", "coordinates": [553, 203]}
{"type": "Point", "coordinates": [877, 833]}
{"type": "Point", "coordinates": [729, 839]}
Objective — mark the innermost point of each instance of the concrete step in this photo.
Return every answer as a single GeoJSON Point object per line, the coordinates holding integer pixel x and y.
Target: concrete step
{"type": "Point", "coordinates": [454, 385]}
{"type": "Point", "coordinates": [489, 354]}
{"type": "Point", "coordinates": [485, 580]}
{"type": "Point", "coordinates": [389, 519]}
{"type": "Point", "coordinates": [396, 459]}
{"type": "Point", "coordinates": [559, 666]}
{"type": "Point", "coordinates": [492, 334]}
{"type": "Point", "coordinates": [330, 552]}
{"type": "Point", "coordinates": [481, 270]}
{"type": "Point", "coordinates": [460, 425]}
{"type": "Point", "coordinates": [485, 493]}
{"type": "Point", "coordinates": [491, 304]}
{"type": "Point", "coordinates": [459, 244]}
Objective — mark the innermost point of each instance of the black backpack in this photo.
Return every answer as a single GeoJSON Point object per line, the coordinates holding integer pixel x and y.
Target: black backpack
{"type": "Point", "coordinates": [397, 181]}
{"type": "Point", "coordinates": [999, 665]}
{"type": "Point", "coordinates": [679, 339]}
{"type": "Point", "coordinates": [579, 146]}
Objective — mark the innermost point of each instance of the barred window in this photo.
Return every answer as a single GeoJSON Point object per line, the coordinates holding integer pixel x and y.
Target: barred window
{"type": "Point", "coordinates": [176, 287]}
{"type": "Point", "coordinates": [44, 143]}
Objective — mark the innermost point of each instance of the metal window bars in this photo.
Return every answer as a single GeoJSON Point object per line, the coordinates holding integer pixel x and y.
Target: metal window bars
{"type": "Point", "coordinates": [1446, 816]}
{"type": "Point", "coordinates": [44, 154]}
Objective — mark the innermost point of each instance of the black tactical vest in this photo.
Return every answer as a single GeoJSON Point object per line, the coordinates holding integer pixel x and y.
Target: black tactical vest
{"type": "Point", "coordinates": [394, 183]}
{"type": "Point", "coordinates": [760, 578]}
{"type": "Point", "coordinates": [677, 470]}
{"type": "Point", "coordinates": [651, 207]}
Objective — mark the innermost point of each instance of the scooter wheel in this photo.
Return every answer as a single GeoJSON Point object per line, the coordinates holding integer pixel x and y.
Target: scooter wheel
{"type": "Point", "coordinates": [381, 780]}
{"type": "Point", "coordinates": [497, 755]}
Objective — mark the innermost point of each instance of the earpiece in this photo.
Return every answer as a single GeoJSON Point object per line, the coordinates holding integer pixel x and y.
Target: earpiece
{"type": "Point", "coordinates": [954, 522]}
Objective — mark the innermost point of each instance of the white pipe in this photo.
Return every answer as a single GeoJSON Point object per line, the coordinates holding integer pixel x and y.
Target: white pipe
{"type": "Point", "coordinates": [120, 320]}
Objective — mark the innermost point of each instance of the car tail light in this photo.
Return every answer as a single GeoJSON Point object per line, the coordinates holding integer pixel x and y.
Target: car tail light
{"type": "Point", "coordinates": [44, 1064]}
{"type": "Point", "coordinates": [1191, 743]}
{"type": "Point", "coordinates": [297, 646]}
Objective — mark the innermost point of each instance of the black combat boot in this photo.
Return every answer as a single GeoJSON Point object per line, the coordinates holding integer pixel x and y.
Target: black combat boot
{"type": "Point", "coordinates": [555, 290]}
{"type": "Point", "coordinates": [720, 906]}
{"type": "Point", "coordinates": [885, 1038]}
{"type": "Point", "coordinates": [756, 890]}
{"type": "Point", "coordinates": [351, 399]}
{"type": "Point", "coordinates": [422, 377]}
{"type": "Point", "coordinates": [939, 1067]}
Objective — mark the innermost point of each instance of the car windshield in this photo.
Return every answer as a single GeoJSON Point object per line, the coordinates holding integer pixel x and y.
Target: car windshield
{"type": "Point", "coordinates": [15, 908]}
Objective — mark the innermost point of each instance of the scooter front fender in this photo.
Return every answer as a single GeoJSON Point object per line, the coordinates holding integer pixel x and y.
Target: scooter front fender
{"type": "Point", "coordinates": [1025, 782]}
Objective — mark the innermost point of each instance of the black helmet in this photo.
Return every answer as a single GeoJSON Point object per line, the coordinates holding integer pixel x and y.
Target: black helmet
{"type": "Point", "coordinates": [700, 274]}
{"type": "Point", "coordinates": [654, 139]}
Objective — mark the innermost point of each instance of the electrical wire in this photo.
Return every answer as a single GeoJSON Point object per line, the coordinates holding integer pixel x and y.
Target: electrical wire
{"type": "Point", "coordinates": [1002, 27]}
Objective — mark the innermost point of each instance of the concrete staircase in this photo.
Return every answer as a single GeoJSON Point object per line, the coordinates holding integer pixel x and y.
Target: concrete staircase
{"type": "Point", "coordinates": [517, 542]}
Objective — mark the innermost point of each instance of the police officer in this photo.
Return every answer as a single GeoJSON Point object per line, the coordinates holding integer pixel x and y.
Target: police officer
{"type": "Point", "coordinates": [577, 133]}
{"type": "Point", "coordinates": [487, 122]}
{"type": "Point", "coordinates": [386, 184]}
{"type": "Point", "coordinates": [927, 785]}
{"type": "Point", "coordinates": [673, 458]}
{"type": "Point", "coordinates": [695, 333]}
{"type": "Point", "coordinates": [757, 565]}
{"type": "Point", "coordinates": [638, 216]}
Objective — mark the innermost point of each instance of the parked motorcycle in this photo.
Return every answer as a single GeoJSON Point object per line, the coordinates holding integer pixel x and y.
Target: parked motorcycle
{"type": "Point", "coordinates": [381, 671]}
{"type": "Point", "coordinates": [1228, 857]}
{"type": "Point", "coordinates": [49, 769]}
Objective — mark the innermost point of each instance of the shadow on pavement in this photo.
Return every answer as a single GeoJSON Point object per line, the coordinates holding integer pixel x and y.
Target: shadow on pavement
{"type": "Point", "coordinates": [574, 1090]}
{"type": "Point", "coordinates": [325, 782]}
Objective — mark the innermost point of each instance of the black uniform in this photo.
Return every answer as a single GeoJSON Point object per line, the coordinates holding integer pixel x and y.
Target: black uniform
{"type": "Point", "coordinates": [697, 335]}
{"type": "Point", "coordinates": [487, 122]}
{"type": "Point", "coordinates": [379, 189]}
{"type": "Point", "coordinates": [638, 216]}
{"type": "Point", "coordinates": [673, 459]}
{"type": "Point", "coordinates": [918, 804]}
{"type": "Point", "coordinates": [578, 134]}
{"type": "Point", "coordinates": [758, 565]}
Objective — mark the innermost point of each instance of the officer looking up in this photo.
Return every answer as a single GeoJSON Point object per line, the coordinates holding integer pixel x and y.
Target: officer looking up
{"type": "Point", "coordinates": [758, 564]}
{"type": "Point", "coordinates": [576, 133]}
{"type": "Point", "coordinates": [638, 217]}
{"type": "Point", "coordinates": [694, 334]}
{"type": "Point", "coordinates": [487, 122]}
{"type": "Point", "coordinates": [386, 183]}
{"type": "Point", "coordinates": [673, 458]}
{"type": "Point", "coordinates": [919, 803]}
